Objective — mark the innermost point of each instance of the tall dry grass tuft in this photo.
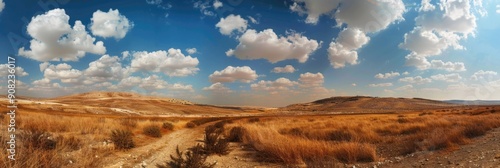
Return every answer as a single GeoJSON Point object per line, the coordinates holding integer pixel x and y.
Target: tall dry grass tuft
{"type": "Point", "coordinates": [296, 150]}
{"type": "Point", "coordinates": [122, 139]}
{"type": "Point", "coordinates": [193, 158]}
{"type": "Point", "coordinates": [214, 142]}
{"type": "Point", "coordinates": [152, 131]}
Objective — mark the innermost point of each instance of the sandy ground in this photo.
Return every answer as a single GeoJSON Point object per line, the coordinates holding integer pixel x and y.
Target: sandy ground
{"type": "Point", "coordinates": [483, 152]}
{"type": "Point", "coordinates": [159, 152]}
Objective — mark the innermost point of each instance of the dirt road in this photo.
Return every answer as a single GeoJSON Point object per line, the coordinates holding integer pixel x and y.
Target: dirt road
{"type": "Point", "coordinates": [159, 151]}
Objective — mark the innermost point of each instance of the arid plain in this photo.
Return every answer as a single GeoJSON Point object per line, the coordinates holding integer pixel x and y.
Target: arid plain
{"type": "Point", "coordinates": [111, 129]}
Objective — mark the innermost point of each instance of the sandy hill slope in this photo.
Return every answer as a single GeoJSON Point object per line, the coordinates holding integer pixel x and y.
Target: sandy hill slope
{"type": "Point", "coordinates": [367, 104]}
{"type": "Point", "coordinates": [125, 104]}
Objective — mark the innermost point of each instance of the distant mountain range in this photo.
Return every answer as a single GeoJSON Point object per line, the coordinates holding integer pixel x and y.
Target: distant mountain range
{"type": "Point", "coordinates": [474, 102]}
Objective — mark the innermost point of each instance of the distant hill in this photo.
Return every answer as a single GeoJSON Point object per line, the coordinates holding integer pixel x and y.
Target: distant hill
{"type": "Point", "coordinates": [474, 102]}
{"type": "Point", "coordinates": [368, 104]}
{"type": "Point", "coordinates": [125, 104]}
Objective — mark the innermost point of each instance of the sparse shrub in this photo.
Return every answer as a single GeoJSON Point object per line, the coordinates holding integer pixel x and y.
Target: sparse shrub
{"type": "Point", "coordinates": [402, 120]}
{"type": "Point", "coordinates": [122, 139]}
{"type": "Point", "coordinates": [295, 131]}
{"type": "Point", "coordinates": [193, 158]}
{"type": "Point", "coordinates": [168, 126]}
{"type": "Point", "coordinates": [152, 131]}
{"type": "Point", "coordinates": [339, 135]}
{"type": "Point", "coordinates": [236, 134]}
{"type": "Point", "coordinates": [128, 122]}
{"type": "Point", "coordinates": [38, 140]}
{"type": "Point", "coordinates": [214, 142]}
{"type": "Point", "coordinates": [425, 113]}
{"type": "Point", "coordinates": [190, 125]}
{"type": "Point", "coordinates": [475, 130]}
{"type": "Point", "coordinates": [220, 124]}
{"type": "Point", "coordinates": [253, 120]}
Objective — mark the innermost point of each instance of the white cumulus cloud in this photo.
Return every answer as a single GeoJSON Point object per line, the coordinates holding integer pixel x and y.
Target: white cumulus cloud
{"type": "Point", "coordinates": [314, 8]}
{"type": "Point", "coordinates": [231, 74]}
{"type": "Point", "coordinates": [370, 16]}
{"type": "Point", "coordinates": [285, 69]}
{"type": "Point", "coordinates": [54, 39]}
{"type": "Point", "coordinates": [481, 74]}
{"type": "Point", "coordinates": [217, 4]}
{"type": "Point", "coordinates": [439, 27]}
{"type": "Point", "coordinates": [267, 45]}
{"type": "Point", "coordinates": [171, 62]}
{"type": "Point", "coordinates": [344, 50]}
{"type": "Point", "coordinates": [280, 84]}
{"type": "Point", "coordinates": [4, 71]}
{"type": "Point", "coordinates": [447, 77]}
{"type": "Point", "coordinates": [232, 23]}
{"type": "Point", "coordinates": [191, 50]}
{"type": "Point", "coordinates": [448, 66]}
{"type": "Point", "coordinates": [311, 80]}
{"type": "Point", "coordinates": [2, 5]}
{"type": "Point", "coordinates": [380, 85]}
{"type": "Point", "coordinates": [110, 24]}
{"type": "Point", "coordinates": [218, 88]}
{"type": "Point", "coordinates": [387, 75]}
{"type": "Point", "coordinates": [104, 69]}
{"type": "Point", "coordinates": [416, 80]}
{"type": "Point", "coordinates": [63, 72]}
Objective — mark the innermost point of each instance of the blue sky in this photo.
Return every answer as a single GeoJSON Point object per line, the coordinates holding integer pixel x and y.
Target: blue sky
{"type": "Point", "coordinates": [255, 53]}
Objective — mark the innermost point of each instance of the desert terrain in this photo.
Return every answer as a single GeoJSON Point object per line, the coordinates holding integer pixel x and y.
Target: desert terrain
{"type": "Point", "coordinates": [110, 129]}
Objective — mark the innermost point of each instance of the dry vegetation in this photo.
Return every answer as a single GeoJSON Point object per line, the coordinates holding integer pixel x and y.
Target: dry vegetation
{"type": "Point", "coordinates": [315, 141]}
{"type": "Point", "coordinates": [326, 140]}
{"type": "Point", "coordinates": [77, 141]}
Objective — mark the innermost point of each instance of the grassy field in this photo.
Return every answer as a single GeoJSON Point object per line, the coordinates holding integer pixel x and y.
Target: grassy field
{"type": "Point", "coordinates": [326, 140]}
{"type": "Point", "coordinates": [46, 140]}
{"type": "Point", "coordinates": [313, 140]}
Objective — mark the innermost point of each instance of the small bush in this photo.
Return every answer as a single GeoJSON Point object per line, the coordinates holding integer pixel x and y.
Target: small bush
{"type": "Point", "coordinates": [253, 120]}
{"type": "Point", "coordinates": [168, 126]}
{"type": "Point", "coordinates": [236, 134]}
{"type": "Point", "coordinates": [340, 135]}
{"type": "Point", "coordinates": [220, 124]}
{"type": "Point", "coordinates": [122, 139]}
{"type": "Point", "coordinates": [38, 140]}
{"type": "Point", "coordinates": [190, 125]}
{"type": "Point", "coordinates": [214, 142]}
{"type": "Point", "coordinates": [194, 158]}
{"type": "Point", "coordinates": [475, 130]}
{"type": "Point", "coordinates": [152, 131]}
{"type": "Point", "coordinates": [402, 120]}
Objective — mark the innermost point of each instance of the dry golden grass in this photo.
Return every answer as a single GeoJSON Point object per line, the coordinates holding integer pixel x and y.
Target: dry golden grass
{"type": "Point", "coordinates": [297, 150]}
{"type": "Point", "coordinates": [83, 140]}
{"type": "Point", "coordinates": [360, 138]}
{"type": "Point", "coordinates": [76, 141]}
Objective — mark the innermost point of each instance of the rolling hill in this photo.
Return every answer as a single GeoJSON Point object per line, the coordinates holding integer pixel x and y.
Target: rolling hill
{"type": "Point", "coordinates": [368, 104]}
{"type": "Point", "coordinates": [125, 104]}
